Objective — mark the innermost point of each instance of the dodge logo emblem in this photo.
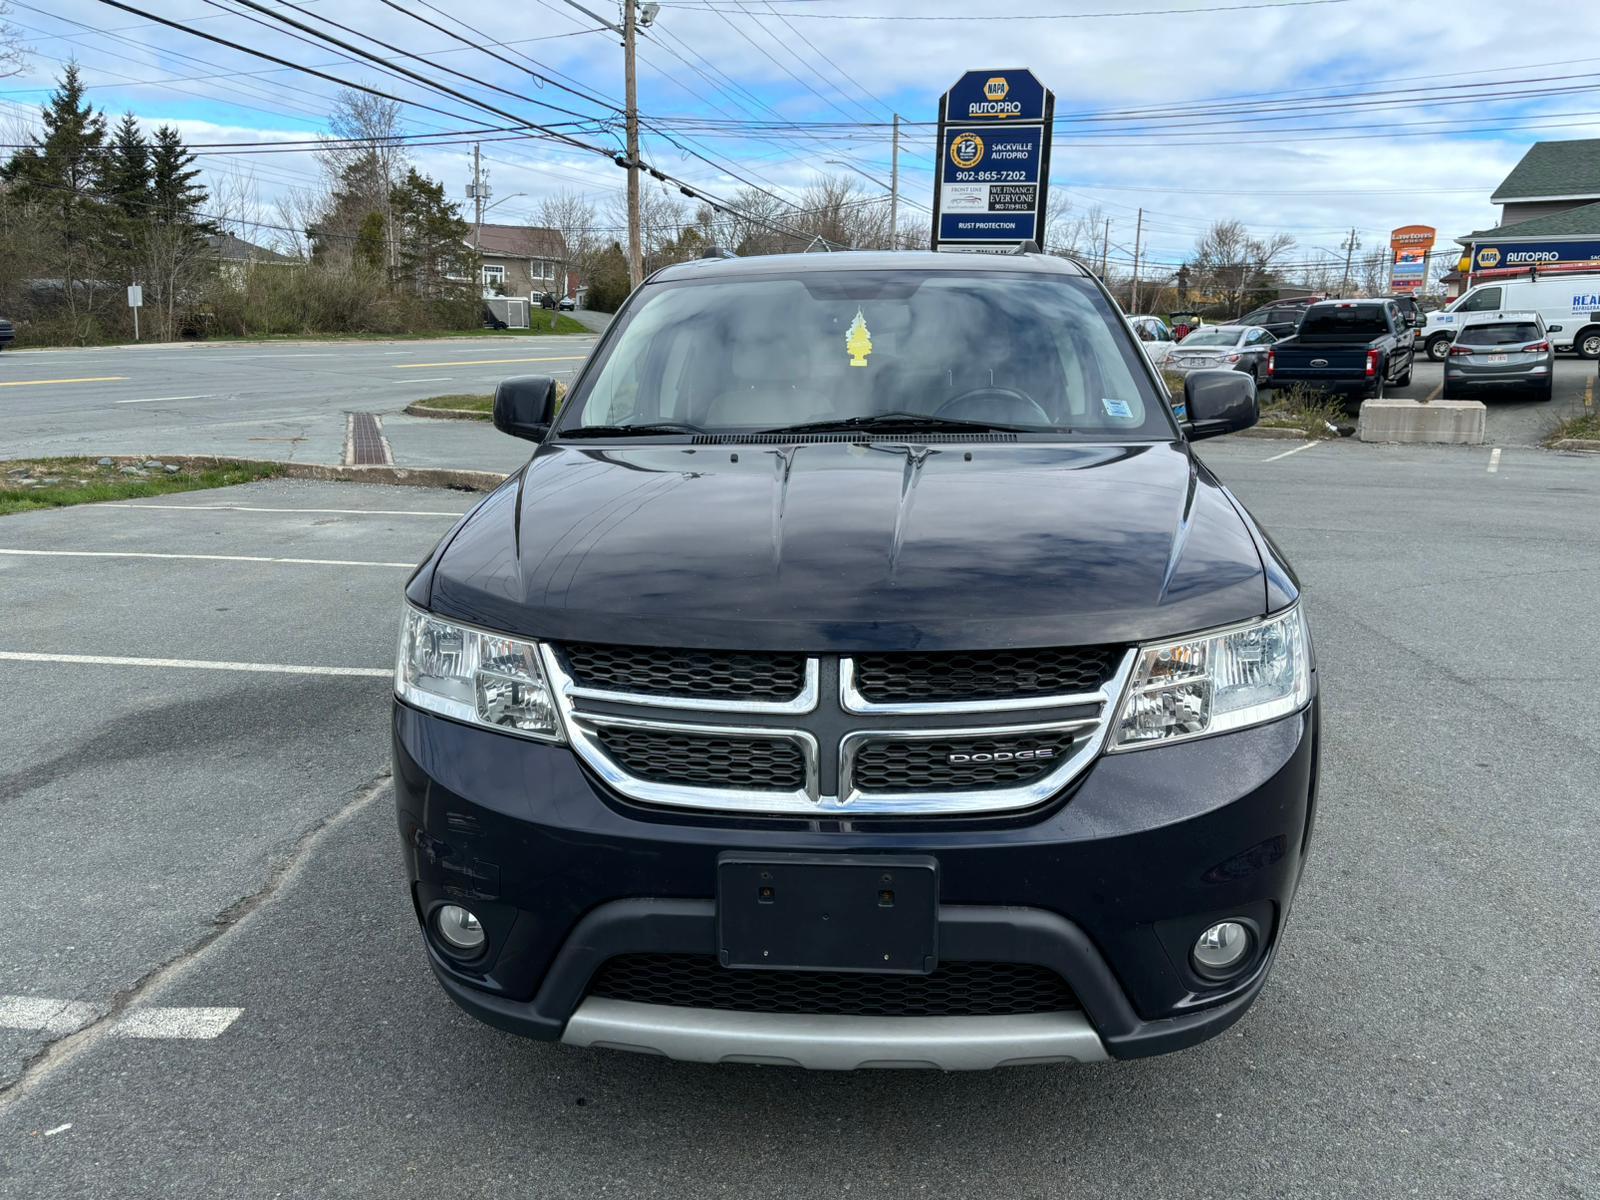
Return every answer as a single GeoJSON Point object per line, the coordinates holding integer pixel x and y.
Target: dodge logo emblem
{"type": "Point", "coordinates": [1001, 756]}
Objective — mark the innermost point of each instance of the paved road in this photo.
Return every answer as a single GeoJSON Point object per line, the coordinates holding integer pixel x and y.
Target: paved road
{"type": "Point", "coordinates": [284, 401]}
{"type": "Point", "coordinates": [1429, 1031]}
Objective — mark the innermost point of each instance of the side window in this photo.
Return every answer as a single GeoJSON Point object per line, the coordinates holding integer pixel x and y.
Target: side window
{"type": "Point", "coordinates": [1483, 300]}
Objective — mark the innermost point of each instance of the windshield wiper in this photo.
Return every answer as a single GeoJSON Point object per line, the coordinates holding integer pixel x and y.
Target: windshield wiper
{"type": "Point", "coordinates": [605, 431]}
{"type": "Point", "coordinates": [901, 420]}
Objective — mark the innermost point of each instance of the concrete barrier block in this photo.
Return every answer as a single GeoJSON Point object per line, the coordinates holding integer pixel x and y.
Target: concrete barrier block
{"type": "Point", "coordinates": [1455, 422]}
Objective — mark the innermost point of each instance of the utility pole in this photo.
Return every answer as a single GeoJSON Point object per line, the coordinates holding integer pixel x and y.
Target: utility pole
{"type": "Point", "coordinates": [1138, 233]}
{"type": "Point", "coordinates": [631, 104]}
{"type": "Point", "coordinates": [477, 196]}
{"type": "Point", "coordinates": [1105, 251]}
{"type": "Point", "coordinates": [1351, 245]}
{"type": "Point", "coordinates": [894, 188]}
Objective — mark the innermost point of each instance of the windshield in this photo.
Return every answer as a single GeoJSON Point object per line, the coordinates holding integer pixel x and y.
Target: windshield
{"type": "Point", "coordinates": [764, 352]}
{"type": "Point", "coordinates": [1211, 337]}
{"type": "Point", "coordinates": [1509, 334]}
{"type": "Point", "coordinates": [1356, 322]}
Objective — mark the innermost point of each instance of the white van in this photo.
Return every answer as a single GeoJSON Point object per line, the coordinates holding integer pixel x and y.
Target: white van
{"type": "Point", "coordinates": [1569, 304]}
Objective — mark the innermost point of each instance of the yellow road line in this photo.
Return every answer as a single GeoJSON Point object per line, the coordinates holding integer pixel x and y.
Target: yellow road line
{"type": "Point", "coordinates": [1434, 395]}
{"type": "Point", "coordinates": [42, 382]}
{"type": "Point", "coordinates": [486, 362]}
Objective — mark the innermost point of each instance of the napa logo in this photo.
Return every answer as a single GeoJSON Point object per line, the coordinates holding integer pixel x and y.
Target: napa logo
{"type": "Point", "coordinates": [1489, 257]}
{"type": "Point", "coordinates": [994, 103]}
{"type": "Point", "coordinates": [966, 151]}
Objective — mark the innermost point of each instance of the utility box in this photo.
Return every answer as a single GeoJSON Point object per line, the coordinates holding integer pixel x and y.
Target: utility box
{"type": "Point", "coordinates": [507, 312]}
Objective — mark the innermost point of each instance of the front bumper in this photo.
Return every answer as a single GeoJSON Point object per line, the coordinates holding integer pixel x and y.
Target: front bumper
{"type": "Point", "coordinates": [1107, 887]}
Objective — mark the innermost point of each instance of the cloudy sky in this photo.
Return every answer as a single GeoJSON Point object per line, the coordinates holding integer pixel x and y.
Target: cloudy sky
{"type": "Point", "coordinates": [1303, 116]}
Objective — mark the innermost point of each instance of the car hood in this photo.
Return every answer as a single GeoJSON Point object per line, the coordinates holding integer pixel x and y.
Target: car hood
{"type": "Point", "coordinates": [848, 546]}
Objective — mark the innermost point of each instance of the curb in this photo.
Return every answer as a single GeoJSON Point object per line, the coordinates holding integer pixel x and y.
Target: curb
{"type": "Point", "coordinates": [1271, 431]}
{"type": "Point", "coordinates": [451, 478]}
{"type": "Point", "coordinates": [1587, 445]}
{"type": "Point", "coordinates": [418, 409]}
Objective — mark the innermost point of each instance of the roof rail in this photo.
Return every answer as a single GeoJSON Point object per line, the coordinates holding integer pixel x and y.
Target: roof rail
{"type": "Point", "coordinates": [1029, 247]}
{"type": "Point", "coordinates": [717, 252]}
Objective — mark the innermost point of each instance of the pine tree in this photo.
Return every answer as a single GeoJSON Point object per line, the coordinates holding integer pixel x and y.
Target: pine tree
{"type": "Point", "coordinates": [174, 194]}
{"type": "Point", "coordinates": [62, 170]}
{"type": "Point", "coordinates": [432, 250]}
{"type": "Point", "coordinates": [370, 242]}
{"type": "Point", "coordinates": [127, 169]}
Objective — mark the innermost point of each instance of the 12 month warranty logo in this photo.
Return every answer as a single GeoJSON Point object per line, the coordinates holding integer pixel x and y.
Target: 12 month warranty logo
{"type": "Point", "coordinates": [966, 150]}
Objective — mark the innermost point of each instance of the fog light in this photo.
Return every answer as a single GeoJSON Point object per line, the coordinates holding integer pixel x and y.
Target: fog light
{"type": "Point", "coordinates": [1221, 948]}
{"type": "Point", "coordinates": [460, 929]}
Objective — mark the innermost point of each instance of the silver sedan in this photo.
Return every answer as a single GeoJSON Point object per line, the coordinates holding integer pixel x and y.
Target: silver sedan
{"type": "Point", "coordinates": [1225, 347]}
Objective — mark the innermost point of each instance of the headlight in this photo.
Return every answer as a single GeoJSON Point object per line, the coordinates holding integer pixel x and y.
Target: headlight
{"type": "Point", "coordinates": [473, 676]}
{"type": "Point", "coordinates": [1216, 682]}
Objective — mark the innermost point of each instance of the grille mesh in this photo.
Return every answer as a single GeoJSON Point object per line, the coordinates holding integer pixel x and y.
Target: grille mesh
{"type": "Point", "coordinates": [983, 674]}
{"type": "Point", "coordinates": [915, 766]}
{"type": "Point", "coordinates": [695, 674]}
{"type": "Point", "coordinates": [706, 760]}
{"type": "Point", "coordinates": [973, 989]}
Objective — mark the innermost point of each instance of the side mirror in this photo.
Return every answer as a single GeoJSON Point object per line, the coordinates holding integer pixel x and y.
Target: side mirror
{"type": "Point", "coordinates": [1218, 402]}
{"type": "Point", "coordinates": [525, 406]}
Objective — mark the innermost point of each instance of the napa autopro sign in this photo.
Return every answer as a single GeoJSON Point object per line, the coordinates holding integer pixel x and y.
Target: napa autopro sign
{"type": "Point", "coordinates": [994, 161]}
{"type": "Point", "coordinates": [1519, 256]}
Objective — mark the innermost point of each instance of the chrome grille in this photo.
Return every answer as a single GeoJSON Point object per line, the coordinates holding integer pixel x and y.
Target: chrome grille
{"type": "Point", "coordinates": [703, 760]}
{"type": "Point", "coordinates": [707, 674]}
{"type": "Point", "coordinates": [983, 675]}
{"type": "Point", "coordinates": [819, 735]}
{"type": "Point", "coordinates": [882, 765]}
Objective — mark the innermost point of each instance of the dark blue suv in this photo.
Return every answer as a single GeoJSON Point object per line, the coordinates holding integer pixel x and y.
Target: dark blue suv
{"type": "Point", "coordinates": [862, 672]}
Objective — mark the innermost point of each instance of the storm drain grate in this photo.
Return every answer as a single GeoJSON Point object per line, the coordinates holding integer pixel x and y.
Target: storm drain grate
{"type": "Point", "coordinates": [364, 442]}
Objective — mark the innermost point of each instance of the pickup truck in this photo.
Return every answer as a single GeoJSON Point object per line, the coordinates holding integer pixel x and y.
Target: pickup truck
{"type": "Point", "coordinates": [1352, 347]}
{"type": "Point", "coordinates": [863, 671]}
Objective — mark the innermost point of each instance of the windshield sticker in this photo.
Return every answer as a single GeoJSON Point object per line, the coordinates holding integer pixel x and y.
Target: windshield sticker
{"type": "Point", "coordinates": [858, 341]}
{"type": "Point", "coordinates": [1118, 408]}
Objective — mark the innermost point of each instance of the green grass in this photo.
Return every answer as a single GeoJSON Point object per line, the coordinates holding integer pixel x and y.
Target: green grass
{"type": "Point", "coordinates": [27, 484]}
{"type": "Point", "coordinates": [542, 324]}
{"type": "Point", "coordinates": [1584, 427]}
{"type": "Point", "coordinates": [482, 406]}
{"type": "Point", "coordinates": [1306, 410]}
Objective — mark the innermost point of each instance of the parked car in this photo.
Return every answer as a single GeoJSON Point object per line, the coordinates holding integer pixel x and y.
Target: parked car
{"type": "Point", "coordinates": [1568, 303]}
{"type": "Point", "coordinates": [863, 671]}
{"type": "Point", "coordinates": [1184, 323]}
{"type": "Point", "coordinates": [1410, 309]}
{"type": "Point", "coordinates": [1155, 334]}
{"type": "Point", "coordinates": [1354, 348]}
{"type": "Point", "coordinates": [1224, 347]}
{"type": "Point", "coordinates": [7, 333]}
{"type": "Point", "coordinates": [567, 303]}
{"type": "Point", "coordinates": [1499, 352]}
{"type": "Point", "coordinates": [1280, 318]}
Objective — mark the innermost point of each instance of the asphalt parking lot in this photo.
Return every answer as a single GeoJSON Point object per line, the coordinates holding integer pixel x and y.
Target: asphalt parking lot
{"type": "Point", "coordinates": [1511, 419]}
{"type": "Point", "coordinates": [210, 983]}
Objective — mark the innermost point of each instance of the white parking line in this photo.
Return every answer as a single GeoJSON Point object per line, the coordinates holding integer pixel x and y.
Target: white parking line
{"type": "Point", "coordinates": [435, 379]}
{"type": "Point", "coordinates": [159, 399]}
{"type": "Point", "coordinates": [255, 558]}
{"type": "Point", "coordinates": [195, 1024]}
{"type": "Point", "coordinates": [44, 1015]}
{"type": "Point", "coordinates": [57, 1018]}
{"type": "Point", "coordinates": [1494, 460]}
{"type": "Point", "coordinates": [353, 512]}
{"type": "Point", "coordinates": [186, 664]}
{"type": "Point", "coordinates": [1286, 453]}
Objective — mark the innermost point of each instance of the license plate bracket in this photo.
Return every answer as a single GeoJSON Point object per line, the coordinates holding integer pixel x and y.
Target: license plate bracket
{"type": "Point", "coordinates": [1496, 359]}
{"type": "Point", "coordinates": [833, 912]}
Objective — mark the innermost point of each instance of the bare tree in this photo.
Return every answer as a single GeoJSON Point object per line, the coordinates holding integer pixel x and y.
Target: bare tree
{"type": "Point", "coordinates": [1229, 263]}
{"type": "Point", "coordinates": [12, 50]}
{"type": "Point", "coordinates": [662, 216]}
{"type": "Point", "coordinates": [297, 210]}
{"type": "Point", "coordinates": [1373, 271]}
{"type": "Point", "coordinates": [364, 159]}
{"type": "Point", "coordinates": [574, 218]}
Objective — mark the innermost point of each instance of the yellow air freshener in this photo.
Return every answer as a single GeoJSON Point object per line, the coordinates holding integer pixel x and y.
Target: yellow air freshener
{"type": "Point", "coordinates": [858, 341]}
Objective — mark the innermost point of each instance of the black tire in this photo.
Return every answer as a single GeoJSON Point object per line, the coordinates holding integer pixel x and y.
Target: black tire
{"type": "Point", "coordinates": [1546, 393]}
{"type": "Point", "coordinates": [1439, 347]}
{"type": "Point", "coordinates": [1587, 343]}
